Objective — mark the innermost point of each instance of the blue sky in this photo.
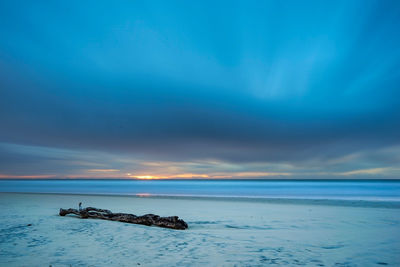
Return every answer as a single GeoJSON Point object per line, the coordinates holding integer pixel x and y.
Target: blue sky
{"type": "Point", "coordinates": [227, 89]}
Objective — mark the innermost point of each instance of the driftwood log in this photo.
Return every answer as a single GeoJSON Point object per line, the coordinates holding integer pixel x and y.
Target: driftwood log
{"type": "Point", "coordinates": [172, 222]}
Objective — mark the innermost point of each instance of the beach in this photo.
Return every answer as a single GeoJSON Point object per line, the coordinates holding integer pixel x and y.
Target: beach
{"type": "Point", "coordinates": [199, 133]}
{"type": "Point", "coordinates": [222, 232]}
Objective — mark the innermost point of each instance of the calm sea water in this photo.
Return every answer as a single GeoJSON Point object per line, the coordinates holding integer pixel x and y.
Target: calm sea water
{"type": "Point", "coordinates": [357, 190]}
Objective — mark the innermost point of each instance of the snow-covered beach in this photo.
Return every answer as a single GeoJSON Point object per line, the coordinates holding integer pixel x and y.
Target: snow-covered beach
{"type": "Point", "coordinates": [222, 232]}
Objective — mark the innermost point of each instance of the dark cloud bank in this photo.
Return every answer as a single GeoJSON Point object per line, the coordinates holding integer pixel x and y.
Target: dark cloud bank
{"type": "Point", "coordinates": [313, 88]}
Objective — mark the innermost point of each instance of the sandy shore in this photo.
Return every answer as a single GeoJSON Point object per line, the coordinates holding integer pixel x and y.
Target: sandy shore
{"type": "Point", "coordinates": [222, 232]}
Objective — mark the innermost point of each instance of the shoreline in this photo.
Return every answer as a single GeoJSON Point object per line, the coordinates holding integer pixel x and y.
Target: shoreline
{"type": "Point", "coordinates": [363, 203]}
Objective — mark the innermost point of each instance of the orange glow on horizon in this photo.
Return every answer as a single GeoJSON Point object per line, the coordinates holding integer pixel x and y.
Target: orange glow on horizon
{"type": "Point", "coordinates": [146, 177]}
{"type": "Point", "coordinates": [156, 177]}
{"type": "Point", "coordinates": [115, 174]}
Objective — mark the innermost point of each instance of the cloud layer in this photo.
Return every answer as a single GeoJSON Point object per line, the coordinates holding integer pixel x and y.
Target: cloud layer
{"type": "Point", "coordinates": [294, 89]}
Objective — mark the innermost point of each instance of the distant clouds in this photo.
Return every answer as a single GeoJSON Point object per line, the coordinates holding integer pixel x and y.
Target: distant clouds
{"type": "Point", "coordinates": [33, 162]}
{"type": "Point", "coordinates": [240, 90]}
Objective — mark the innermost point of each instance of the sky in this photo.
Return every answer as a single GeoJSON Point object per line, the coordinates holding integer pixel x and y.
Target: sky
{"type": "Point", "coordinates": [200, 89]}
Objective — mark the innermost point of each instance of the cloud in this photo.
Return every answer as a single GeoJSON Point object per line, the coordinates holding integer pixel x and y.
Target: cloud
{"type": "Point", "coordinates": [366, 171]}
{"type": "Point", "coordinates": [178, 86]}
{"type": "Point", "coordinates": [103, 170]}
{"type": "Point", "coordinates": [10, 176]}
{"type": "Point", "coordinates": [260, 174]}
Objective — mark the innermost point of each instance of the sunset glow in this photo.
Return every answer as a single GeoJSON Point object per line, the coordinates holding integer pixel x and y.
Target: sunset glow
{"type": "Point", "coordinates": [173, 176]}
{"type": "Point", "coordinates": [116, 174]}
{"type": "Point", "coordinates": [146, 177]}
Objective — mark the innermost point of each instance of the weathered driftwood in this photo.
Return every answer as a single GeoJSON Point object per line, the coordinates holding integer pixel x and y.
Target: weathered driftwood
{"type": "Point", "coordinates": [172, 222]}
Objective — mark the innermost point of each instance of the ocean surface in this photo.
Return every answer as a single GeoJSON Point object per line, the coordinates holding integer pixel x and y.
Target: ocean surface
{"type": "Point", "coordinates": [335, 190]}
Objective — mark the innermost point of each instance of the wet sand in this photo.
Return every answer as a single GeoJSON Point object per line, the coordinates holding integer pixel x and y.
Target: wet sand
{"type": "Point", "coordinates": [222, 232]}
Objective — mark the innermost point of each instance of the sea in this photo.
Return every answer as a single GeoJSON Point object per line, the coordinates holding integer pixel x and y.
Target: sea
{"type": "Point", "coordinates": [370, 190]}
